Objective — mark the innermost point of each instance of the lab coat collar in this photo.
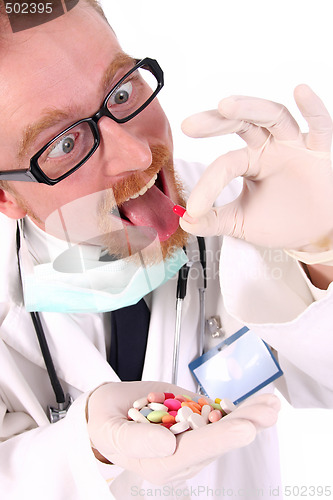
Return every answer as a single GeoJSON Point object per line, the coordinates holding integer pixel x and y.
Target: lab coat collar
{"type": "Point", "coordinates": [10, 289]}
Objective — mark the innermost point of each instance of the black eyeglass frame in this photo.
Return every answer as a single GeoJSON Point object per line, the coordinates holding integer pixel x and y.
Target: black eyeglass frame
{"type": "Point", "coordinates": [35, 174]}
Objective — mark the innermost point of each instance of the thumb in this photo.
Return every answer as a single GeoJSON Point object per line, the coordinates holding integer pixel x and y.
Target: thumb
{"type": "Point", "coordinates": [206, 225]}
{"type": "Point", "coordinates": [226, 220]}
{"type": "Point", "coordinates": [317, 116]}
{"type": "Point", "coordinates": [137, 440]}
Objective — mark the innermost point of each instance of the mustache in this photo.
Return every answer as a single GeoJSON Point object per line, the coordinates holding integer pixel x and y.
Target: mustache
{"type": "Point", "coordinates": [125, 188]}
{"type": "Point", "coordinates": [116, 245]}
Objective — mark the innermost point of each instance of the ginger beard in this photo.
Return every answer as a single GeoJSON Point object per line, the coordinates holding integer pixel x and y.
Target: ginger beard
{"type": "Point", "coordinates": [133, 237]}
{"type": "Point", "coordinates": [119, 236]}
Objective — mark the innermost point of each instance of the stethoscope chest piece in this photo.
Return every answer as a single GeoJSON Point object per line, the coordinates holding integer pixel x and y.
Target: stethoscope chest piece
{"type": "Point", "coordinates": [56, 414]}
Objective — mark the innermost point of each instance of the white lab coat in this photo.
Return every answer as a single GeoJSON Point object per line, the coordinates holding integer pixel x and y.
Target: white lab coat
{"type": "Point", "coordinates": [39, 460]}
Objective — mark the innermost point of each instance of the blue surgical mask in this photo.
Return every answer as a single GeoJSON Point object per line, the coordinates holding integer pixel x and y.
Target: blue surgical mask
{"type": "Point", "coordinates": [81, 279]}
{"type": "Point", "coordinates": [100, 287]}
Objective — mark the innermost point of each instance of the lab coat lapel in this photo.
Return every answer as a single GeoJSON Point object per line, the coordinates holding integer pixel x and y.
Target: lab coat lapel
{"type": "Point", "coordinates": [83, 362]}
{"type": "Point", "coordinates": [77, 361]}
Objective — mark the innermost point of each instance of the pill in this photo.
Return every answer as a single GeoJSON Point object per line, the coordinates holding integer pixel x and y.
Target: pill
{"type": "Point", "coordinates": [214, 416]}
{"type": "Point", "coordinates": [180, 427]}
{"type": "Point", "coordinates": [135, 415]}
{"type": "Point", "coordinates": [156, 416]}
{"type": "Point", "coordinates": [205, 411]}
{"type": "Point", "coordinates": [183, 413]}
{"type": "Point", "coordinates": [202, 401]}
{"type": "Point", "coordinates": [195, 405]}
{"type": "Point", "coordinates": [216, 406]}
{"type": "Point", "coordinates": [156, 397]}
{"type": "Point", "coordinates": [172, 404]}
{"type": "Point", "coordinates": [168, 419]}
{"type": "Point", "coordinates": [167, 424]}
{"type": "Point", "coordinates": [179, 413]}
{"type": "Point", "coordinates": [196, 421]}
{"type": "Point", "coordinates": [180, 398]}
{"type": "Point", "coordinates": [140, 403]}
{"type": "Point", "coordinates": [179, 210]}
{"type": "Point", "coordinates": [158, 407]}
{"type": "Point", "coordinates": [145, 411]}
{"type": "Point", "coordinates": [190, 405]}
{"type": "Point", "coordinates": [169, 395]}
{"type": "Point", "coordinates": [173, 412]}
{"type": "Point", "coordinates": [227, 405]}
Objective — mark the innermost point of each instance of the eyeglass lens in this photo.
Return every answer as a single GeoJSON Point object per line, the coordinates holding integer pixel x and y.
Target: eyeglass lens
{"type": "Point", "coordinates": [72, 147]}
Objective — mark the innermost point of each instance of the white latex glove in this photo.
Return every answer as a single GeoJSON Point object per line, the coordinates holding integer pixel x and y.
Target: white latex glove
{"type": "Point", "coordinates": [151, 450]}
{"type": "Point", "coordinates": [287, 196]}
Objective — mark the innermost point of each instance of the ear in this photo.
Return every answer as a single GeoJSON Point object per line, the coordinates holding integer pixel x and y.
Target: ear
{"type": "Point", "coordinates": [10, 207]}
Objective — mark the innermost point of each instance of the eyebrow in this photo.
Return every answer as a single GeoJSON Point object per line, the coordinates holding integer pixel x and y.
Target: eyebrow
{"type": "Point", "coordinates": [51, 117]}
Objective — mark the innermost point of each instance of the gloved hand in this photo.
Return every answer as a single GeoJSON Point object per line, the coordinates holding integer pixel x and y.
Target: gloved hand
{"type": "Point", "coordinates": [287, 196]}
{"type": "Point", "coordinates": [151, 450]}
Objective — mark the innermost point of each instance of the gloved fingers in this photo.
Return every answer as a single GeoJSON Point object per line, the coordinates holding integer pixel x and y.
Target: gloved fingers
{"type": "Point", "coordinates": [206, 225]}
{"type": "Point", "coordinates": [227, 220]}
{"type": "Point", "coordinates": [261, 415]}
{"type": "Point", "coordinates": [111, 432]}
{"type": "Point", "coordinates": [317, 117]}
{"type": "Point", "coordinates": [216, 176]}
{"type": "Point", "coordinates": [272, 116]}
{"type": "Point", "coordinates": [138, 440]}
{"type": "Point", "coordinates": [211, 123]}
{"type": "Point", "coordinates": [267, 398]}
{"type": "Point", "coordinates": [210, 442]}
{"type": "Point", "coordinates": [208, 124]}
{"type": "Point", "coordinates": [195, 449]}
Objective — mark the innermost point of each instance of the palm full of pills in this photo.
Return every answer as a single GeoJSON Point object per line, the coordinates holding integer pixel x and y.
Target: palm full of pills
{"type": "Point", "coordinates": [178, 413]}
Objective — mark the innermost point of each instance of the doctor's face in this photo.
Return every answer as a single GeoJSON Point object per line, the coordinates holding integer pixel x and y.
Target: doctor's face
{"type": "Point", "coordinates": [57, 74]}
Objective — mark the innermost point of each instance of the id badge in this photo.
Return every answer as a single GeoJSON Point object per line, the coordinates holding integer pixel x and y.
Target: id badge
{"type": "Point", "coordinates": [236, 368]}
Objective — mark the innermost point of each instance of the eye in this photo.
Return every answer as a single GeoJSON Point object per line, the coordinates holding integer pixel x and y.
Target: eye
{"type": "Point", "coordinates": [63, 146]}
{"type": "Point", "coordinates": [121, 94]}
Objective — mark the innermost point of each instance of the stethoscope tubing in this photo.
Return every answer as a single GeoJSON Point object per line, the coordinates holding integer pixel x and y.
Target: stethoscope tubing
{"type": "Point", "coordinates": [181, 293]}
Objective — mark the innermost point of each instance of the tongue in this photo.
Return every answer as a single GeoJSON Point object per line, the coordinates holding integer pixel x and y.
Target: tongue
{"type": "Point", "coordinates": [153, 209]}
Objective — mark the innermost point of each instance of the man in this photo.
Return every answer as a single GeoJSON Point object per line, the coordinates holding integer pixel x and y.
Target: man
{"type": "Point", "coordinates": [44, 121]}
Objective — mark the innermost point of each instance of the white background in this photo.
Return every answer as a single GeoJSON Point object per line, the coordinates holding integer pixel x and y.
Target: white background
{"type": "Point", "coordinates": [210, 49]}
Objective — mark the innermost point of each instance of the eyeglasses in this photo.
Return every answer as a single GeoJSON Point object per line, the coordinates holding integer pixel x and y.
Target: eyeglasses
{"type": "Point", "coordinates": [70, 149]}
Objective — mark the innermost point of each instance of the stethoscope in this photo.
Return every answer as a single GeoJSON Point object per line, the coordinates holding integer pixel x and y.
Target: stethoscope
{"type": "Point", "coordinates": [180, 296]}
{"type": "Point", "coordinates": [64, 402]}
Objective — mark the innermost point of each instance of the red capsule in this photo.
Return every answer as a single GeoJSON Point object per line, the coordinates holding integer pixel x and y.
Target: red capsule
{"type": "Point", "coordinates": [179, 210]}
{"type": "Point", "coordinates": [169, 395]}
{"type": "Point", "coordinates": [167, 424]}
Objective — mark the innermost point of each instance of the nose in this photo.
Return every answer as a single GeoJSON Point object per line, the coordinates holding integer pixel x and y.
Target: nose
{"type": "Point", "coordinates": [123, 148]}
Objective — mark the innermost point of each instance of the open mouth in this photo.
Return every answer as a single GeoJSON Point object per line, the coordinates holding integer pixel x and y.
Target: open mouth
{"type": "Point", "coordinates": [151, 207]}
